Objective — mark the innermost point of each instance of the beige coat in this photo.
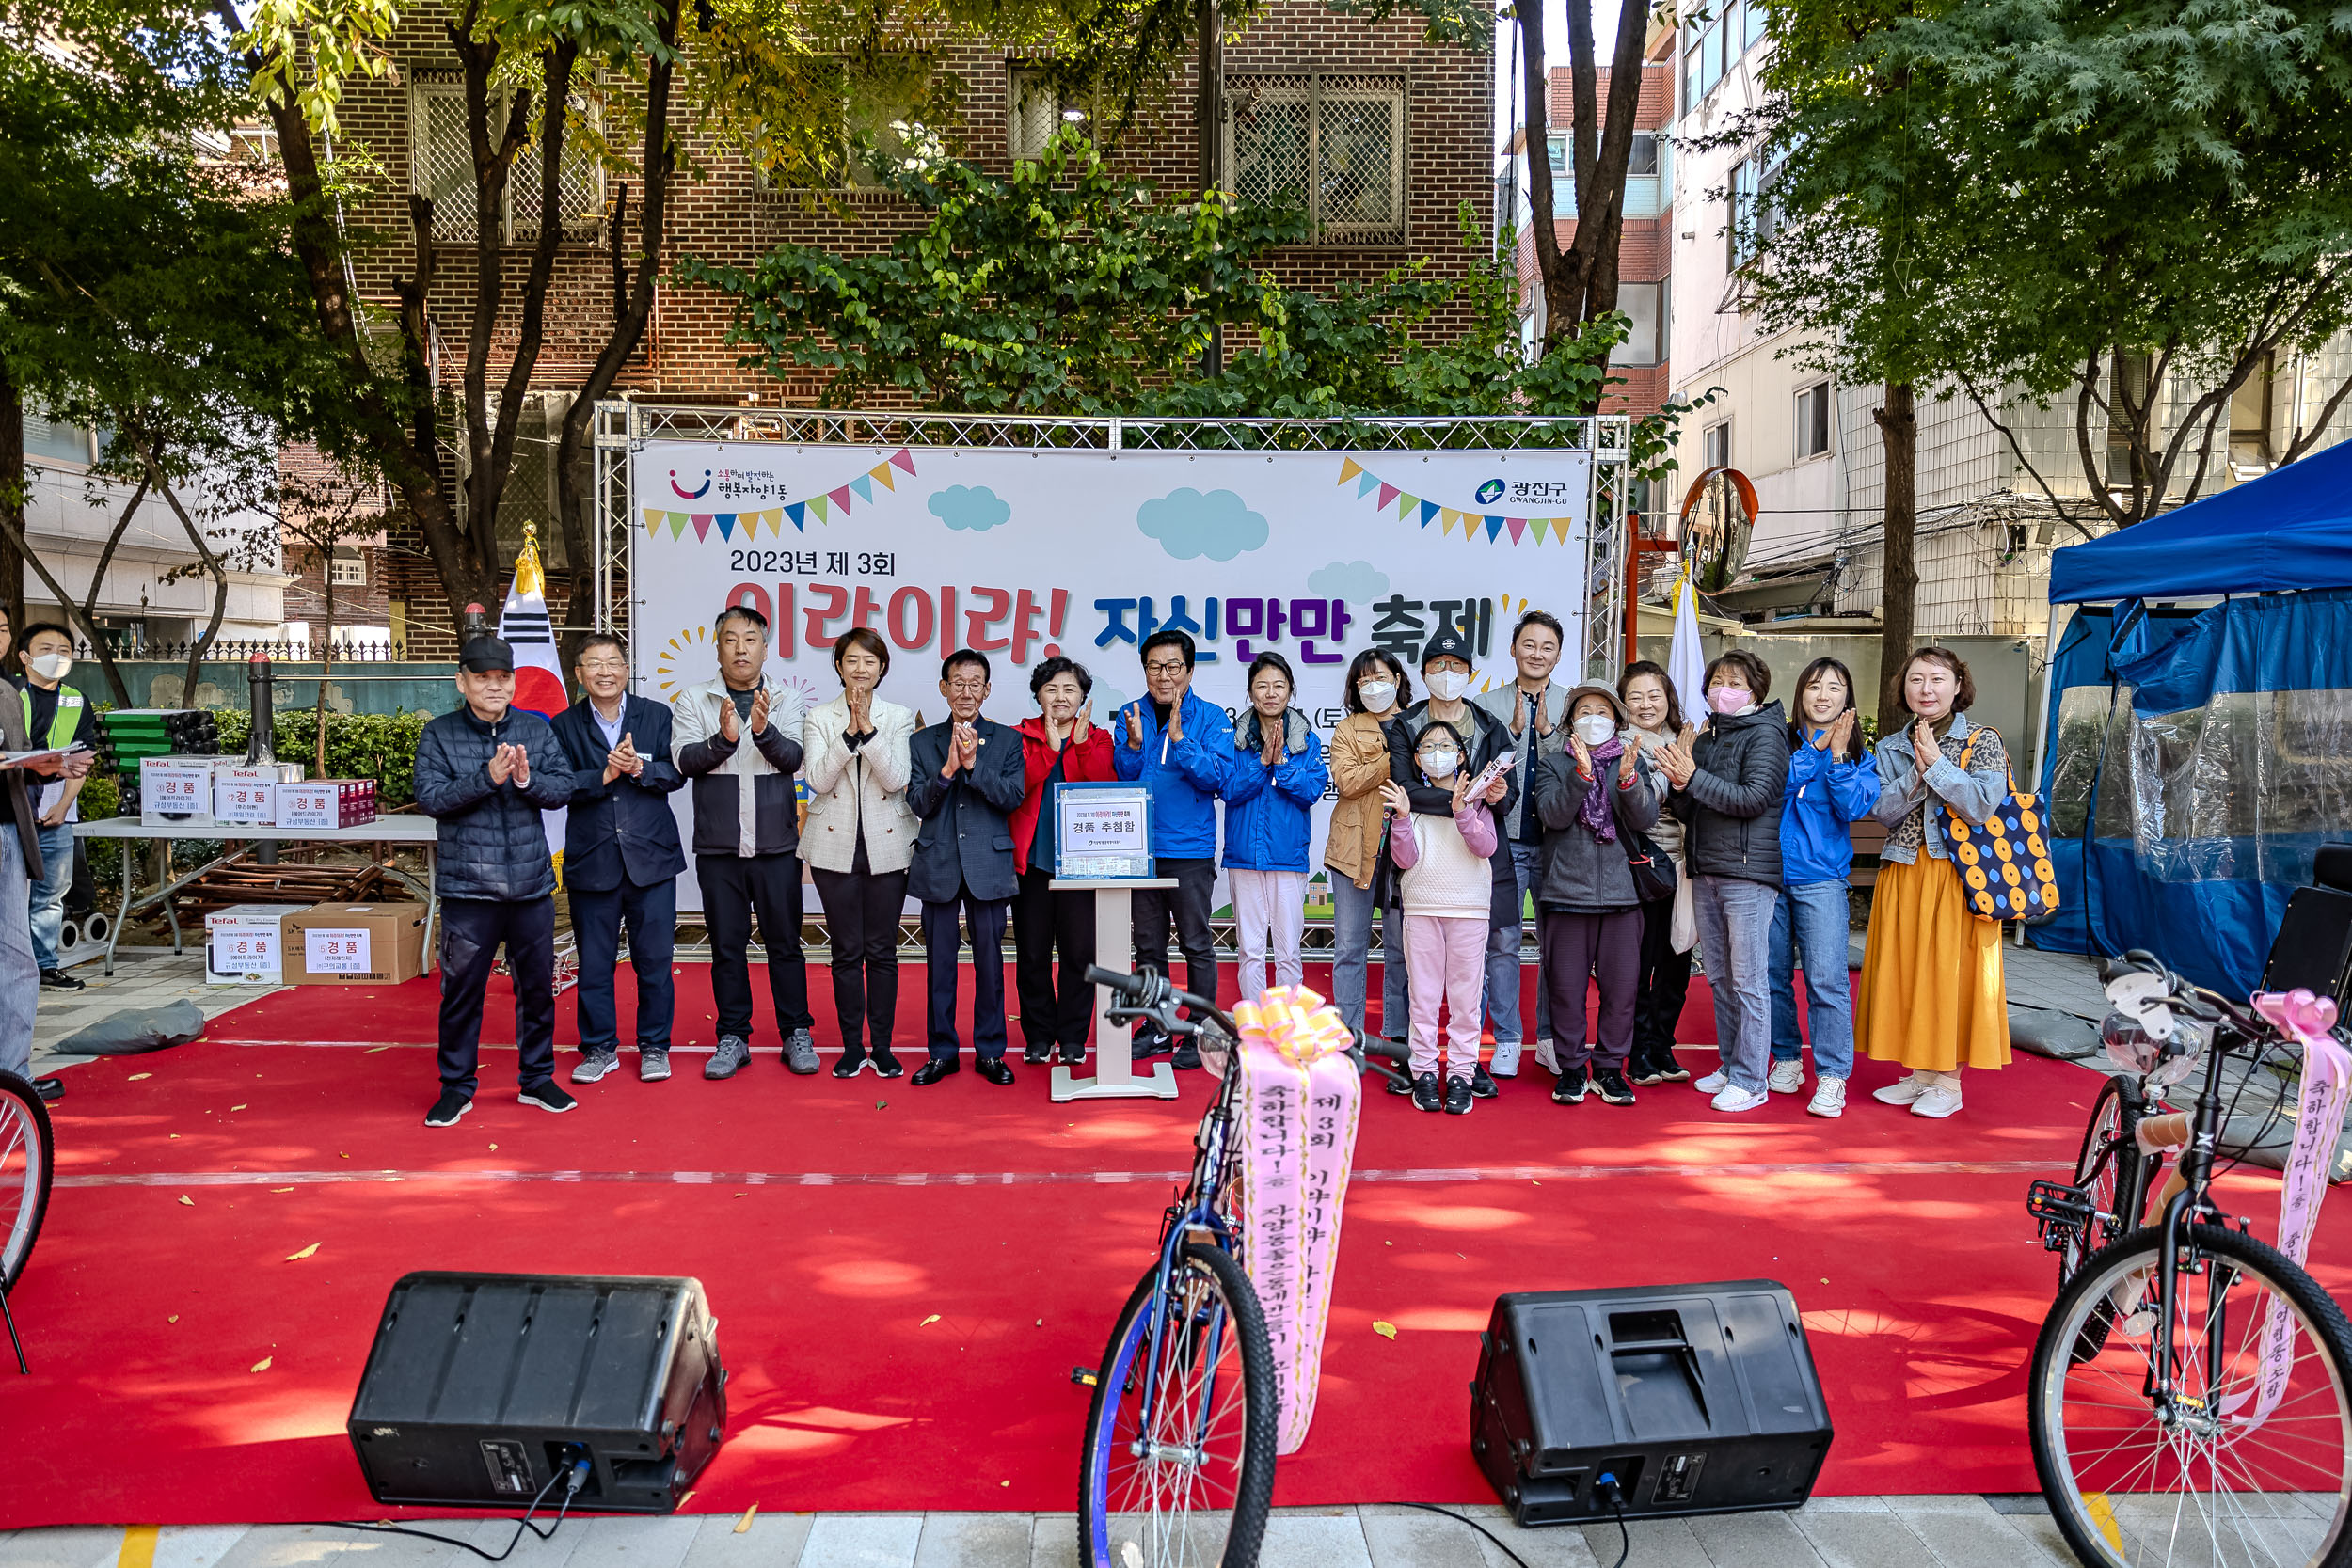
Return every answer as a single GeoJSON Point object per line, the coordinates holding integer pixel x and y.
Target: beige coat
{"type": "Point", "coordinates": [1358, 756]}
{"type": "Point", "coordinates": [854, 791]}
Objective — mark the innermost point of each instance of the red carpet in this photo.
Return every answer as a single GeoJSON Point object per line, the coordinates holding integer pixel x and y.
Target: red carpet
{"type": "Point", "coordinates": [904, 1278]}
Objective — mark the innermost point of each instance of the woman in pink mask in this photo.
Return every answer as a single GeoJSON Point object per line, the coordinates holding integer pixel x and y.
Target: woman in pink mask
{"type": "Point", "coordinates": [1727, 788]}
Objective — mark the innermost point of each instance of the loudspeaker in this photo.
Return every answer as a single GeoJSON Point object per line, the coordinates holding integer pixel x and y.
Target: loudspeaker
{"type": "Point", "coordinates": [1699, 1399]}
{"type": "Point", "coordinates": [2313, 947]}
{"type": "Point", "coordinates": [481, 1389]}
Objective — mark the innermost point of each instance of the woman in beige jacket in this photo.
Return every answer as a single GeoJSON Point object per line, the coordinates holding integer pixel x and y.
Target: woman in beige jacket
{"type": "Point", "coordinates": [858, 842]}
{"type": "Point", "coordinates": [1360, 877]}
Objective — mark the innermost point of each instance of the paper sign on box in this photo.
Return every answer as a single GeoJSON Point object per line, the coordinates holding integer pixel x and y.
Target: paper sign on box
{"type": "Point", "coordinates": [245, 795]}
{"type": "Point", "coordinates": [336, 950]}
{"type": "Point", "coordinates": [242, 945]}
{"type": "Point", "coordinates": [355, 944]}
{"type": "Point", "coordinates": [176, 791]}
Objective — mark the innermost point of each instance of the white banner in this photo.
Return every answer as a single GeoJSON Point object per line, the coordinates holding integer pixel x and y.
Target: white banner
{"type": "Point", "coordinates": [1022, 555]}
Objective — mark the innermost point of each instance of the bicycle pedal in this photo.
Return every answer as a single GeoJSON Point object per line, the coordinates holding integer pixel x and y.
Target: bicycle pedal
{"type": "Point", "coordinates": [1085, 1377]}
{"type": "Point", "coordinates": [2055, 1203]}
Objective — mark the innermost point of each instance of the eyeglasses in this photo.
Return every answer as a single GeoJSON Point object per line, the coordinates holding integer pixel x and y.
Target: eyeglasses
{"type": "Point", "coordinates": [967, 689]}
{"type": "Point", "coordinates": [1164, 667]}
{"type": "Point", "coordinates": [604, 666]}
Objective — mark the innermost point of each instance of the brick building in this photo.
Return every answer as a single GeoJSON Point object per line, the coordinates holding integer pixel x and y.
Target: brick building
{"type": "Point", "coordinates": [1645, 245]}
{"type": "Point", "coordinates": [1388, 134]}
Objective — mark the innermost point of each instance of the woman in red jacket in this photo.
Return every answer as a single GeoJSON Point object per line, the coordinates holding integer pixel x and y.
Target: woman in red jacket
{"type": "Point", "coordinates": [1060, 746]}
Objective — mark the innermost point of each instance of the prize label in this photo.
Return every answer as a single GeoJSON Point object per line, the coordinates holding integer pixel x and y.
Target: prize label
{"type": "Point", "coordinates": [336, 952]}
{"type": "Point", "coordinates": [245, 952]}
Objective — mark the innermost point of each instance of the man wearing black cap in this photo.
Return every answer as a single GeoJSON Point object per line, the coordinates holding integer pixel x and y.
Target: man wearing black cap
{"type": "Point", "coordinates": [485, 774]}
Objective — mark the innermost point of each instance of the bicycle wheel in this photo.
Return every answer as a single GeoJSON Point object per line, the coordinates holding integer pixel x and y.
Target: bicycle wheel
{"type": "Point", "coordinates": [27, 1163]}
{"type": "Point", "coordinates": [2204, 1482]}
{"type": "Point", "coordinates": [1189, 1485]}
{"type": "Point", "coordinates": [2107, 1171]}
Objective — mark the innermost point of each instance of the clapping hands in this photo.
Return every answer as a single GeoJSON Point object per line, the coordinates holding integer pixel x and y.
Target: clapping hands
{"type": "Point", "coordinates": [511, 764]}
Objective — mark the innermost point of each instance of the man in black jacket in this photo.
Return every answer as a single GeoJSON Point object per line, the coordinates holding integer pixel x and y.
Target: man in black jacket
{"type": "Point", "coordinates": [485, 774]}
{"type": "Point", "coordinates": [965, 780]}
{"type": "Point", "coordinates": [621, 858]}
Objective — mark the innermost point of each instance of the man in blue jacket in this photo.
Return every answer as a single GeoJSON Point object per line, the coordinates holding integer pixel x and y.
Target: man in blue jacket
{"type": "Point", "coordinates": [965, 778]}
{"type": "Point", "coordinates": [621, 858]}
{"type": "Point", "coordinates": [1178, 746]}
{"type": "Point", "coordinates": [484, 775]}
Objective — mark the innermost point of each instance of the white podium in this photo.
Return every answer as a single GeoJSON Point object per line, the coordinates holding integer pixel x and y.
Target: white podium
{"type": "Point", "coordinates": [1115, 1075]}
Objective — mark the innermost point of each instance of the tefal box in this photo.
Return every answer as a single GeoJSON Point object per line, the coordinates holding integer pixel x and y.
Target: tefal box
{"type": "Point", "coordinates": [248, 793]}
{"type": "Point", "coordinates": [322, 804]}
{"type": "Point", "coordinates": [176, 792]}
{"type": "Point", "coordinates": [355, 944]}
{"type": "Point", "coordinates": [245, 946]}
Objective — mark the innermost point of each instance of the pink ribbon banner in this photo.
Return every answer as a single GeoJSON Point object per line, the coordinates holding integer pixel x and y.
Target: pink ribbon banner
{"type": "Point", "coordinates": [2327, 1089]}
{"type": "Point", "coordinates": [1296, 1110]}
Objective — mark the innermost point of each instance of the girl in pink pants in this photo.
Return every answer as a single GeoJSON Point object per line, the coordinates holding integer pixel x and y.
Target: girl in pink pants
{"type": "Point", "coordinates": [1447, 886]}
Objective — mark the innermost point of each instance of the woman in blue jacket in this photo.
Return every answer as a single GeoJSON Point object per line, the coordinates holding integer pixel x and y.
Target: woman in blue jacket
{"type": "Point", "coordinates": [1272, 782]}
{"type": "Point", "coordinates": [1832, 785]}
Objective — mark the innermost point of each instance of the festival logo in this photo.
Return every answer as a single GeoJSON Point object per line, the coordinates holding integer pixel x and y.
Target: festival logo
{"type": "Point", "coordinates": [685, 493]}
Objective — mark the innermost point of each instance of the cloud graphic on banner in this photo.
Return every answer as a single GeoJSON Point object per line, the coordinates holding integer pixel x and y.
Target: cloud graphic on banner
{"type": "Point", "coordinates": [974, 507]}
{"type": "Point", "coordinates": [1348, 579]}
{"type": "Point", "coordinates": [1189, 524]}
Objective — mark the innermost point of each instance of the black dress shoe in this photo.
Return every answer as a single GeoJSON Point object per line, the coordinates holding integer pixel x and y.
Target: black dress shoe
{"type": "Point", "coordinates": [994, 1069]}
{"type": "Point", "coordinates": [933, 1070]}
{"type": "Point", "coordinates": [50, 1089]}
{"type": "Point", "coordinates": [851, 1060]}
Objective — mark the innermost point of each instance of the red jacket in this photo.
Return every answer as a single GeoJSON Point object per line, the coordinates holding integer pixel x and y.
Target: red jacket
{"type": "Point", "coordinates": [1090, 762]}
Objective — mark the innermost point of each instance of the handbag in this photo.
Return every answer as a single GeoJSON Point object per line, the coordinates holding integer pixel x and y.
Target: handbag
{"type": "Point", "coordinates": [1654, 878]}
{"type": "Point", "coordinates": [2003, 864]}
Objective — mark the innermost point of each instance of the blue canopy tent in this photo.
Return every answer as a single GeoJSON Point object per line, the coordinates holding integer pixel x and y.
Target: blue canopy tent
{"type": "Point", "coordinates": [2194, 758]}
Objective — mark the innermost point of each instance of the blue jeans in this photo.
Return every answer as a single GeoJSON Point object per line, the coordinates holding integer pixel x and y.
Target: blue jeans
{"type": "Point", "coordinates": [20, 978]}
{"type": "Point", "coordinates": [1502, 958]}
{"type": "Point", "coordinates": [56, 866]}
{"type": "Point", "coordinates": [651, 916]}
{"type": "Point", "coordinates": [1734, 918]}
{"type": "Point", "coordinates": [1813, 918]}
{"type": "Point", "coordinates": [1351, 959]}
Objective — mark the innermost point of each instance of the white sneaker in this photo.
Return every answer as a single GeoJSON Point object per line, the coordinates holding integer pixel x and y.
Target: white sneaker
{"type": "Point", "coordinates": [1715, 1083]}
{"type": "Point", "coordinates": [1545, 1055]}
{"type": "Point", "coordinates": [1940, 1098]}
{"type": "Point", "coordinates": [1506, 1061]}
{"type": "Point", "coordinates": [1787, 1077]}
{"type": "Point", "coordinates": [1734, 1098]}
{"type": "Point", "coordinates": [1903, 1090]}
{"type": "Point", "coordinates": [1829, 1098]}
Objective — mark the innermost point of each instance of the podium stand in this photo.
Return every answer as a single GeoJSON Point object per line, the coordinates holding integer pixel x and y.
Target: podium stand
{"type": "Point", "coordinates": [1115, 1076]}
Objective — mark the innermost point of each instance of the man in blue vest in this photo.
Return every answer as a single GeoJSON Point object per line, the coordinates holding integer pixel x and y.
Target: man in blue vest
{"type": "Point", "coordinates": [55, 715]}
{"type": "Point", "coordinates": [621, 858]}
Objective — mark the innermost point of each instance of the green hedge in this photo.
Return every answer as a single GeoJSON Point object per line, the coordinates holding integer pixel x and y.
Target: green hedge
{"type": "Point", "coordinates": [378, 746]}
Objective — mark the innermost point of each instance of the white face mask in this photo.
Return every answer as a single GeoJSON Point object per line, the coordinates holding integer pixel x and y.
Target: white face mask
{"type": "Point", "coordinates": [1446, 685]}
{"type": "Point", "coordinates": [1595, 729]}
{"type": "Point", "coordinates": [1440, 764]}
{"type": "Point", "coordinates": [1376, 694]}
{"type": "Point", "coordinates": [53, 667]}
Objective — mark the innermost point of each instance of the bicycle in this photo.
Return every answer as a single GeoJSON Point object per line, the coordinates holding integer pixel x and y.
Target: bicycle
{"type": "Point", "coordinates": [2190, 1395]}
{"type": "Point", "coordinates": [2113, 1176]}
{"type": "Point", "coordinates": [28, 1166]}
{"type": "Point", "coordinates": [1181, 1430]}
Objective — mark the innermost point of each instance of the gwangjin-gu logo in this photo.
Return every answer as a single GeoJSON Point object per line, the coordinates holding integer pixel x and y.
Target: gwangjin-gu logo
{"type": "Point", "coordinates": [697, 495]}
{"type": "Point", "coordinates": [1490, 492]}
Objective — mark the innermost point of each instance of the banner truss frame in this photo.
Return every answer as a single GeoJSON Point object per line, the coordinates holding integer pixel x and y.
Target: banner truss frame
{"type": "Point", "coordinates": [623, 426]}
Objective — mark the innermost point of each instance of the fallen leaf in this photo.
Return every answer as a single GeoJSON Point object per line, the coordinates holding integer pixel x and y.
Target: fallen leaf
{"type": "Point", "coordinates": [1824, 1279]}
{"type": "Point", "coordinates": [186, 1200]}
{"type": "Point", "coordinates": [236, 1107]}
{"type": "Point", "coordinates": [1004, 1484]}
{"type": "Point", "coordinates": [173, 1318]}
{"type": "Point", "coordinates": [298, 1257]}
{"type": "Point", "coordinates": [494, 1149]}
{"type": "Point", "coordinates": [927, 1321]}
{"type": "Point", "coordinates": [881, 1105]}
{"type": "Point", "coordinates": [742, 1195]}
{"type": "Point", "coordinates": [1386, 1331]}
{"type": "Point", "coordinates": [745, 1523]}
{"type": "Point", "coordinates": [342, 1156]}
{"type": "Point", "coordinates": [369, 1051]}
{"type": "Point", "coordinates": [175, 1134]}
{"type": "Point", "coordinates": [262, 1364]}
{"type": "Point", "coordinates": [281, 1189]}
{"type": "Point", "coordinates": [682, 1501]}
{"type": "Point", "coordinates": [136, 1076]}
{"type": "Point", "coordinates": [1388, 1244]}
{"type": "Point", "coordinates": [1040, 1322]}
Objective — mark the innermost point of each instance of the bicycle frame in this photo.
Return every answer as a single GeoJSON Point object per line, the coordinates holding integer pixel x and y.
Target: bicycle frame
{"type": "Point", "coordinates": [2195, 1172]}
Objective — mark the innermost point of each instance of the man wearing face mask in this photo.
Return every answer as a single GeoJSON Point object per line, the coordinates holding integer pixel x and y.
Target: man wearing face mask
{"type": "Point", "coordinates": [1536, 712]}
{"type": "Point", "coordinates": [55, 716]}
{"type": "Point", "coordinates": [1445, 668]}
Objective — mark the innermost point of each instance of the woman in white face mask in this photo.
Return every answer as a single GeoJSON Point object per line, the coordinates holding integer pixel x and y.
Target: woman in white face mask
{"type": "Point", "coordinates": [1361, 879]}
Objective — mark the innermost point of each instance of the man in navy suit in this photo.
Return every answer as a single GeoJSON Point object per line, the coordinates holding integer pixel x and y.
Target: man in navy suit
{"type": "Point", "coordinates": [621, 858]}
{"type": "Point", "coordinates": [966, 776]}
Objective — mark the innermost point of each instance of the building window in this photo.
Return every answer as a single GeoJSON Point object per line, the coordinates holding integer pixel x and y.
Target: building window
{"type": "Point", "coordinates": [54, 441]}
{"type": "Point", "coordinates": [2127, 382]}
{"type": "Point", "coordinates": [1034, 113]}
{"type": "Point", "coordinates": [1715, 445]}
{"type": "Point", "coordinates": [440, 166]}
{"type": "Point", "coordinates": [1646, 341]}
{"type": "Point", "coordinates": [1753, 214]}
{"type": "Point", "coordinates": [1644, 158]}
{"type": "Point", "coordinates": [1334, 145]}
{"type": "Point", "coordinates": [348, 568]}
{"type": "Point", "coordinates": [1813, 421]}
{"type": "Point", "coordinates": [1711, 47]}
{"type": "Point", "coordinates": [2250, 424]}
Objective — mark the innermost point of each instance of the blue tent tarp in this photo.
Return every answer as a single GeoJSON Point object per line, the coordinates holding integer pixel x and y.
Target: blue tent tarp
{"type": "Point", "coordinates": [2291, 529]}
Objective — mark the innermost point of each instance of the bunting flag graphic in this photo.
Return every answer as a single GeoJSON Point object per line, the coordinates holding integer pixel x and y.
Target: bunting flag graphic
{"type": "Point", "coordinates": [1395, 498]}
{"type": "Point", "coordinates": [828, 507]}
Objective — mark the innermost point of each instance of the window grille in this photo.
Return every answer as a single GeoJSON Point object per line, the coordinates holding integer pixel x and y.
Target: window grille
{"type": "Point", "coordinates": [1034, 114]}
{"type": "Point", "coordinates": [440, 166]}
{"type": "Point", "coordinates": [1332, 144]}
{"type": "Point", "coordinates": [348, 568]}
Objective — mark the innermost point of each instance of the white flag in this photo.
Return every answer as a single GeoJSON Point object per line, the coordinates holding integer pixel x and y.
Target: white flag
{"type": "Point", "coordinates": [1686, 664]}
{"type": "Point", "coordinates": [524, 626]}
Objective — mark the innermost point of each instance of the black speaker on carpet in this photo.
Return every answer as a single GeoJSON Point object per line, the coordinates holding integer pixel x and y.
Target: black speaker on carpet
{"type": "Point", "coordinates": [1698, 1398]}
{"type": "Point", "coordinates": [2313, 947]}
{"type": "Point", "coordinates": [484, 1388]}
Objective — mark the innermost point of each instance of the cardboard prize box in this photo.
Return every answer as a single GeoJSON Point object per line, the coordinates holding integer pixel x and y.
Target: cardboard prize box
{"type": "Point", "coordinates": [355, 944]}
{"type": "Point", "coordinates": [244, 944]}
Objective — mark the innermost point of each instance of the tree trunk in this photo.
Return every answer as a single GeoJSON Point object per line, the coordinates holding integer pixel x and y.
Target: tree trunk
{"type": "Point", "coordinates": [197, 649]}
{"type": "Point", "coordinates": [1581, 282]}
{"type": "Point", "coordinates": [12, 500]}
{"type": "Point", "coordinates": [326, 655]}
{"type": "Point", "coordinates": [1898, 434]}
{"type": "Point", "coordinates": [98, 582]}
{"type": "Point", "coordinates": [1208, 120]}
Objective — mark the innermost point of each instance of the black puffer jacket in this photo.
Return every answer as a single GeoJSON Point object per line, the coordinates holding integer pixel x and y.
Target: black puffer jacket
{"type": "Point", "coordinates": [1732, 803]}
{"type": "Point", "coordinates": [493, 840]}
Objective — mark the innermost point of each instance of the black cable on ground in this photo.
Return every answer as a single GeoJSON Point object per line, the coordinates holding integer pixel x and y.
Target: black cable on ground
{"type": "Point", "coordinates": [1466, 1519]}
{"type": "Point", "coordinates": [578, 1472]}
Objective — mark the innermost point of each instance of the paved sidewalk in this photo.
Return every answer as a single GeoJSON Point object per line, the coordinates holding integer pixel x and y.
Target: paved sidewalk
{"type": "Point", "coordinates": [1829, 1532]}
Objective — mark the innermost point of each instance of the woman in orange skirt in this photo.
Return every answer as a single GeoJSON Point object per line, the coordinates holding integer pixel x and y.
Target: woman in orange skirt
{"type": "Point", "coordinates": [1932, 996]}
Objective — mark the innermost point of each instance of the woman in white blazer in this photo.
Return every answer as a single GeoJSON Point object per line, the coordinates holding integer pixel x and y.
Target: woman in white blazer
{"type": "Point", "coordinates": [858, 842]}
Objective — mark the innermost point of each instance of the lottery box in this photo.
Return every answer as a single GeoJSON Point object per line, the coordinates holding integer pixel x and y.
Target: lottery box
{"type": "Point", "coordinates": [355, 944]}
{"type": "Point", "coordinates": [245, 946]}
